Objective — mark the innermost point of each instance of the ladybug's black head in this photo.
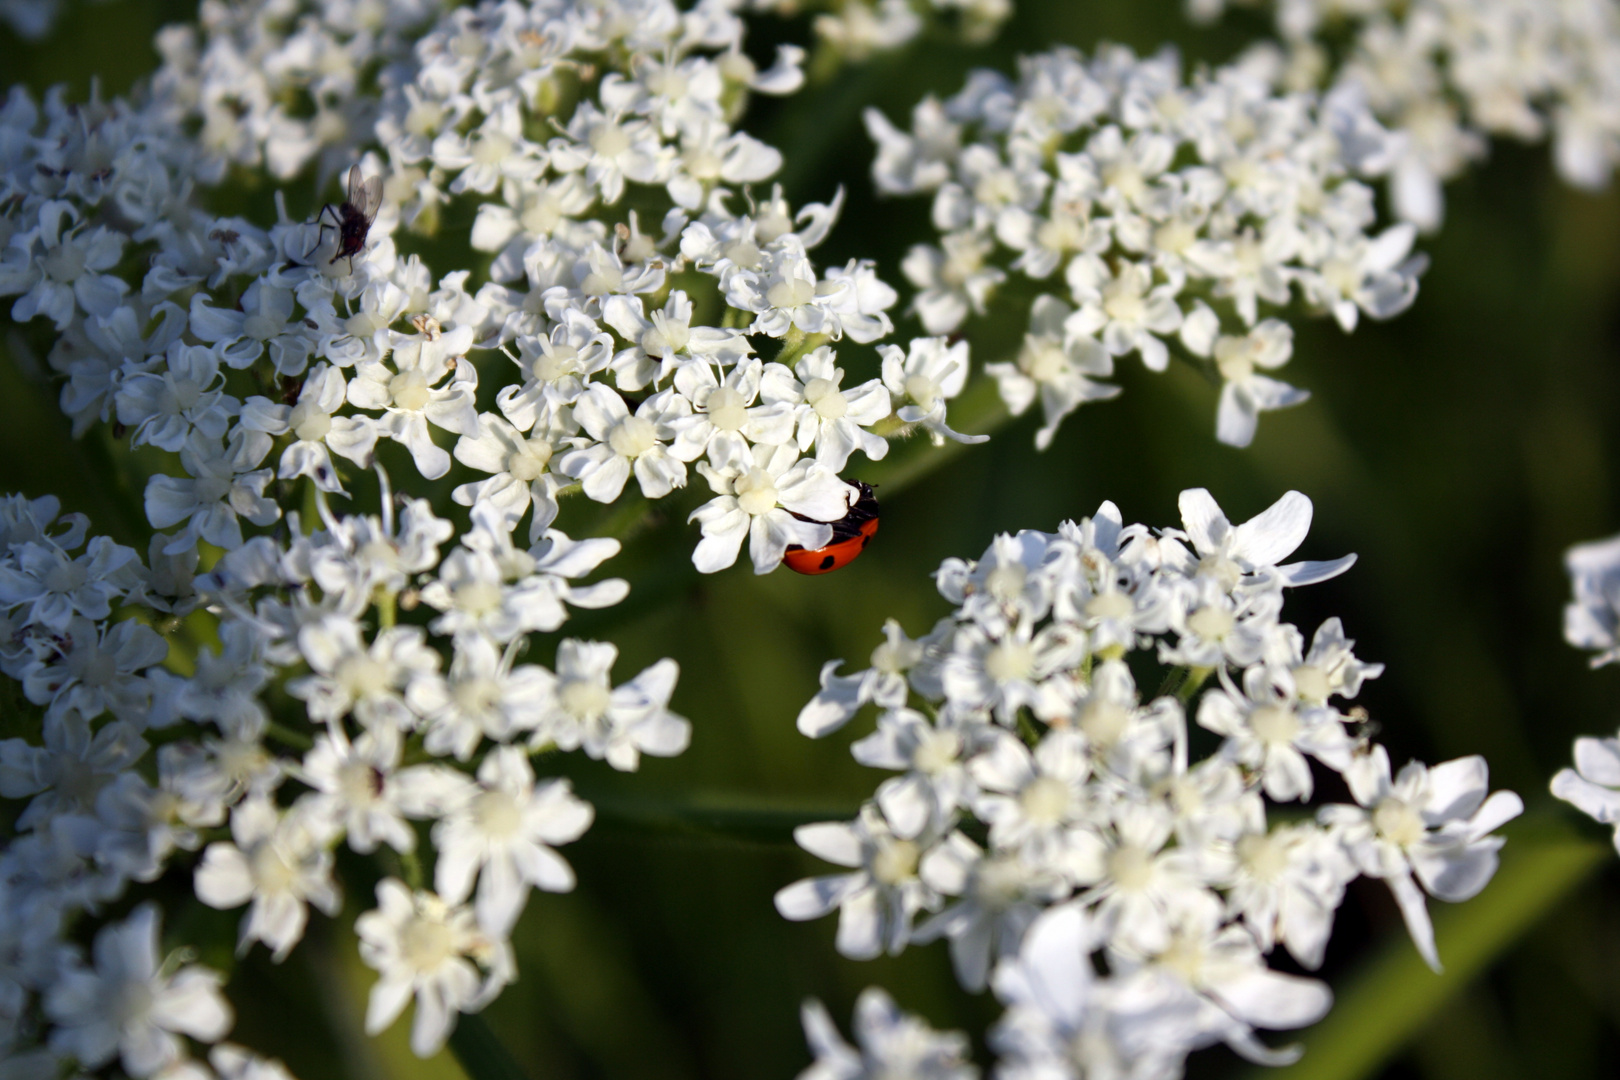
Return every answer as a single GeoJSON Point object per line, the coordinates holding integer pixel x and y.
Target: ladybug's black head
{"type": "Point", "coordinates": [865, 507]}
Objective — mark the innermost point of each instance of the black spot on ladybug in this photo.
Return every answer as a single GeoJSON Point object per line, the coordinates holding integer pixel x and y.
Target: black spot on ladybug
{"type": "Point", "coordinates": [827, 563]}
{"type": "Point", "coordinates": [864, 541]}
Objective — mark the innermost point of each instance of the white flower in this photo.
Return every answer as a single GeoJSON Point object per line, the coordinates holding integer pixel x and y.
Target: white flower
{"type": "Point", "coordinates": [357, 789]}
{"type": "Point", "coordinates": [56, 586]}
{"type": "Point", "coordinates": [1244, 393]}
{"type": "Point", "coordinates": [616, 724]}
{"type": "Point", "coordinates": [1037, 804]}
{"type": "Point", "coordinates": [919, 161]}
{"type": "Point", "coordinates": [1431, 823]}
{"type": "Point", "coordinates": [1373, 276]}
{"type": "Point", "coordinates": [483, 696]}
{"type": "Point", "coordinates": [423, 947]}
{"type": "Point", "coordinates": [225, 484]}
{"type": "Point", "coordinates": [1001, 895]}
{"type": "Point", "coordinates": [861, 298]}
{"type": "Point", "coordinates": [265, 320]}
{"type": "Point", "coordinates": [626, 442]}
{"type": "Point", "coordinates": [1053, 365]}
{"type": "Point", "coordinates": [95, 668]}
{"type": "Point", "coordinates": [278, 863]}
{"type": "Point", "coordinates": [1126, 310]}
{"type": "Point", "coordinates": [860, 29]}
{"type": "Point", "coordinates": [610, 150]}
{"type": "Point", "coordinates": [1062, 1020]}
{"type": "Point", "coordinates": [787, 295]}
{"type": "Point", "coordinates": [893, 1045]}
{"type": "Point", "coordinates": [878, 901]}
{"type": "Point", "coordinates": [1592, 618]}
{"type": "Point", "coordinates": [1228, 552]}
{"type": "Point", "coordinates": [1237, 992]}
{"type": "Point", "coordinates": [954, 280]}
{"type": "Point", "coordinates": [934, 758]}
{"type": "Point", "coordinates": [66, 774]}
{"type": "Point", "coordinates": [165, 407]}
{"type": "Point", "coordinates": [490, 153]}
{"type": "Point", "coordinates": [348, 675]}
{"type": "Point", "coordinates": [711, 153]}
{"type": "Point", "coordinates": [1286, 885]}
{"type": "Point", "coordinates": [664, 341]}
{"type": "Point", "coordinates": [1331, 667]}
{"type": "Point", "coordinates": [828, 417]}
{"type": "Point", "coordinates": [521, 465]}
{"type": "Point", "coordinates": [1593, 786]}
{"type": "Point", "coordinates": [472, 591]}
{"type": "Point", "coordinates": [315, 428]}
{"type": "Point", "coordinates": [1003, 674]}
{"type": "Point", "coordinates": [370, 555]}
{"type": "Point", "coordinates": [130, 1006]}
{"type": "Point", "coordinates": [884, 682]}
{"type": "Point", "coordinates": [726, 420]}
{"type": "Point", "coordinates": [1268, 734]}
{"type": "Point", "coordinates": [414, 394]}
{"type": "Point", "coordinates": [922, 379]}
{"type": "Point", "coordinates": [503, 831]}
{"type": "Point", "coordinates": [773, 499]}
{"type": "Point", "coordinates": [57, 267]}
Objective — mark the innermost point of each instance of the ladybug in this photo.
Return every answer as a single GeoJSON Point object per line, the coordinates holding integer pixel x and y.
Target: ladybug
{"type": "Point", "coordinates": [850, 536]}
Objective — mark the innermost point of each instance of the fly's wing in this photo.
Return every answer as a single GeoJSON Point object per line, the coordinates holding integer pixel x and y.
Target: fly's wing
{"type": "Point", "coordinates": [356, 188]}
{"type": "Point", "coordinates": [370, 197]}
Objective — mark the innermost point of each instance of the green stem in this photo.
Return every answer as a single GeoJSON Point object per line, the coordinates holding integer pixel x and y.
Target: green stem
{"type": "Point", "coordinates": [797, 344]}
{"type": "Point", "coordinates": [737, 818]}
{"type": "Point", "coordinates": [286, 735]}
{"type": "Point", "coordinates": [387, 610]}
{"type": "Point", "coordinates": [1195, 679]}
{"type": "Point", "coordinates": [631, 514]}
{"type": "Point", "coordinates": [410, 868]}
{"type": "Point", "coordinates": [480, 1053]}
{"type": "Point", "coordinates": [1173, 681]}
{"type": "Point", "coordinates": [1027, 730]}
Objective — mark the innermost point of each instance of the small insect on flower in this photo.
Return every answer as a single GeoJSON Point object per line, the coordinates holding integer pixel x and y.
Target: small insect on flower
{"type": "Point", "coordinates": [851, 534]}
{"type": "Point", "coordinates": [353, 219]}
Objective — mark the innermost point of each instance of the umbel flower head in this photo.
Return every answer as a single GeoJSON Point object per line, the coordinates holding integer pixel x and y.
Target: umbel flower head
{"type": "Point", "coordinates": [370, 687]}
{"type": "Point", "coordinates": [1169, 213]}
{"type": "Point", "coordinates": [1049, 821]}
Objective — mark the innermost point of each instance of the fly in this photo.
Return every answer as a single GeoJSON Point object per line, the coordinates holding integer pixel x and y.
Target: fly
{"type": "Point", "coordinates": [353, 219]}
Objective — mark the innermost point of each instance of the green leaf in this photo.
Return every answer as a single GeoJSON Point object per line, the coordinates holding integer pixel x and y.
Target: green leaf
{"type": "Point", "coordinates": [1395, 995]}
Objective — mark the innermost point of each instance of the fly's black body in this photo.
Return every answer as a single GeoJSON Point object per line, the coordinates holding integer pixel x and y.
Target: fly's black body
{"type": "Point", "coordinates": [353, 219]}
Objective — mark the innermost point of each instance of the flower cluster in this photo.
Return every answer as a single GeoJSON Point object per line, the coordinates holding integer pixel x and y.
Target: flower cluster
{"type": "Point", "coordinates": [326, 677]}
{"type": "Point", "coordinates": [1053, 822]}
{"type": "Point", "coordinates": [1169, 210]}
{"type": "Point", "coordinates": [1445, 75]}
{"type": "Point", "coordinates": [96, 638]}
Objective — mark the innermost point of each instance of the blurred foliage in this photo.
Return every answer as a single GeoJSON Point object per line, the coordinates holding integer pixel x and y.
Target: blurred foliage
{"type": "Point", "coordinates": [1459, 450]}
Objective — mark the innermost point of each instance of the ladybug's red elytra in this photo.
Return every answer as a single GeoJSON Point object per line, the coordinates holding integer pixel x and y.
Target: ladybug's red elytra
{"type": "Point", "coordinates": [850, 536]}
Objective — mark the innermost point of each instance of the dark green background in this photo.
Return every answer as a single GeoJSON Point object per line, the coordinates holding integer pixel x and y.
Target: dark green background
{"type": "Point", "coordinates": [1459, 450]}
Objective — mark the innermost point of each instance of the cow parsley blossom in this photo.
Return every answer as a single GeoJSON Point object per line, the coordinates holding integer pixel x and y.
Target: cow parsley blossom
{"type": "Point", "coordinates": [332, 659]}
{"type": "Point", "coordinates": [1047, 818]}
{"type": "Point", "coordinates": [1155, 214]}
{"type": "Point", "coordinates": [1447, 75]}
